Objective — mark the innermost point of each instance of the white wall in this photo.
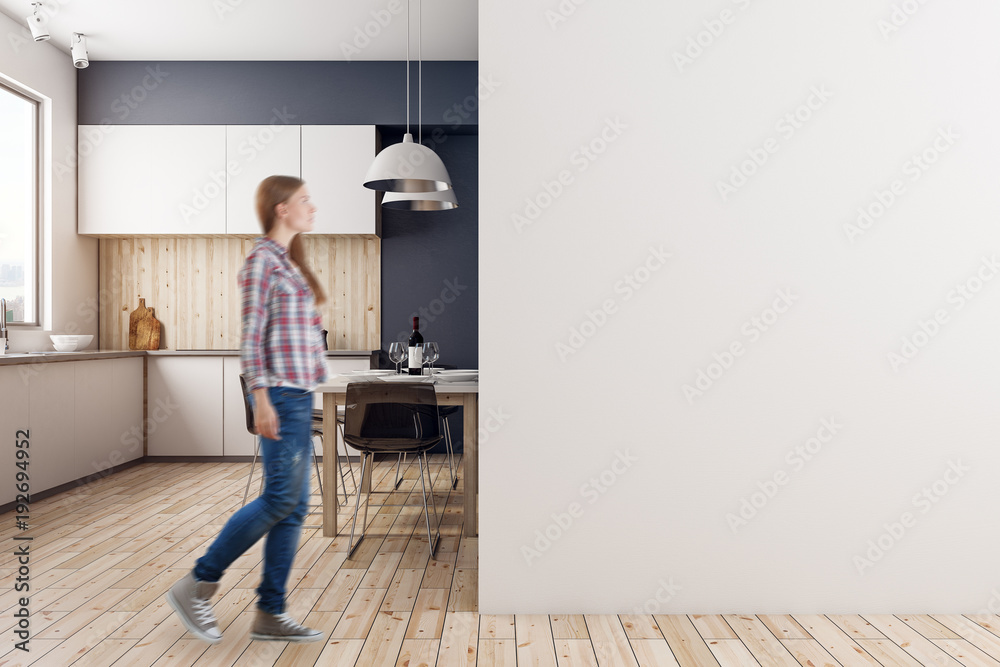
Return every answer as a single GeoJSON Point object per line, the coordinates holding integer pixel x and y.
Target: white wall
{"type": "Point", "coordinates": [70, 286]}
{"type": "Point", "coordinates": [561, 419]}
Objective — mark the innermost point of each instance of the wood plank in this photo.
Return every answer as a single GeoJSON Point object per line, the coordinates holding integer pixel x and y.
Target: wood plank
{"type": "Point", "coordinates": [836, 642]}
{"type": "Point", "coordinates": [783, 626]}
{"type": "Point", "coordinates": [809, 653]}
{"type": "Point", "coordinates": [653, 653]}
{"type": "Point", "coordinates": [402, 592]}
{"type": "Point", "coordinates": [418, 653]}
{"type": "Point", "coordinates": [360, 614]}
{"type": "Point", "coordinates": [910, 640]}
{"type": "Point", "coordinates": [927, 626]}
{"type": "Point", "coordinates": [887, 652]}
{"type": "Point", "coordinates": [609, 640]}
{"type": "Point", "coordinates": [732, 653]}
{"type": "Point", "coordinates": [976, 634]}
{"type": "Point", "coordinates": [575, 653]}
{"type": "Point", "coordinates": [640, 626]}
{"type": "Point", "coordinates": [965, 653]}
{"type": "Point", "coordinates": [855, 626]}
{"type": "Point", "coordinates": [459, 640]}
{"type": "Point", "coordinates": [689, 648]}
{"type": "Point", "coordinates": [385, 639]}
{"type": "Point", "coordinates": [569, 626]}
{"type": "Point", "coordinates": [712, 626]}
{"type": "Point", "coordinates": [427, 618]}
{"type": "Point", "coordinates": [762, 644]}
{"type": "Point", "coordinates": [464, 590]}
{"type": "Point", "coordinates": [534, 640]}
{"type": "Point", "coordinates": [497, 652]}
{"type": "Point", "coordinates": [498, 626]}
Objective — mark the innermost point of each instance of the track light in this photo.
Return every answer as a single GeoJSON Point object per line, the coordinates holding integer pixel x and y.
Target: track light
{"type": "Point", "coordinates": [78, 48]}
{"type": "Point", "coordinates": [36, 22]}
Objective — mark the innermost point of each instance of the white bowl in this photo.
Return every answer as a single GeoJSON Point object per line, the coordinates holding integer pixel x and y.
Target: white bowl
{"type": "Point", "coordinates": [69, 343]}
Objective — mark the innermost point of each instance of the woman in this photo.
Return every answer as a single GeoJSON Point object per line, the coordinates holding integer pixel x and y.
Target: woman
{"type": "Point", "coordinates": [282, 357]}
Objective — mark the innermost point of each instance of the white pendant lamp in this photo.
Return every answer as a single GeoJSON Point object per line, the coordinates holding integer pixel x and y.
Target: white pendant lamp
{"type": "Point", "coordinates": [407, 166]}
{"type": "Point", "coordinates": [443, 200]}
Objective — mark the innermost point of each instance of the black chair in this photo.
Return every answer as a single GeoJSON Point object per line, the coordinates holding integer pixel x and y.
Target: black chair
{"type": "Point", "coordinates": [444, 411]}
{"type": "Point", "coordinates": [394, 418]}
{"type": "Point", "coordinates": [317, 431]}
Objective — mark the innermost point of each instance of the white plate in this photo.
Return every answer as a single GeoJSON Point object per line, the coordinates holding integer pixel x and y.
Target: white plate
{"type": "Point", "coordinates": [456, 371]}
{"type": "Point", "coordinates": [406, 378]}
{"type": "Point", "coordinates": [458, 377]}
{"type": "Point", "coordinates": [371, 371]}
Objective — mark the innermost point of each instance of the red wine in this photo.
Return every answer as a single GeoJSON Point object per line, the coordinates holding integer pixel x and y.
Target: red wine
{"type": "Point", "coordinates": [416, 351]}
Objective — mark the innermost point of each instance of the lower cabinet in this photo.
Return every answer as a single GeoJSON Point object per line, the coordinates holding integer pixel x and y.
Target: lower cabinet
{"type": "Point", "coordinates": [184, 412]}
{"type": "Point", "coordinates": [81, 418]}
{"type": "Point", "coordinates": [108, 409]}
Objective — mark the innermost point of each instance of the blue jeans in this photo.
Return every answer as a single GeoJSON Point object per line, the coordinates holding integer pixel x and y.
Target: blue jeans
{"type": "Point", "coordinates": [279, 511]}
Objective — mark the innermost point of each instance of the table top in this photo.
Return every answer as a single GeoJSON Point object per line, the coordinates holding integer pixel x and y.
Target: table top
{"type": "Point", "coordinates": [338, 384]}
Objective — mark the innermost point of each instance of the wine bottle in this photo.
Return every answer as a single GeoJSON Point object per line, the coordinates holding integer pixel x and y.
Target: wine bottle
{"type": "Point", "coordinates": [416, 349]}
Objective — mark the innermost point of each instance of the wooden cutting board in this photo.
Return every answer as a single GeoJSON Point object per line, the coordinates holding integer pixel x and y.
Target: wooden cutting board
{"type": "Point", "coordinates": [143, 329]}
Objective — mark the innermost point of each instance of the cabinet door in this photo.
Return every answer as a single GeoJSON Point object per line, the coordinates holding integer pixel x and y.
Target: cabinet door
{"type": "Point", "coordinates": [51, 415]}
{"type": "Point", "coordinates": [254, 152]}
{"type": "Point", "coordinates": [126, 409]}
{"type": "Point", "coordinates": [95, 432]}
{"type": "Point", "coordinates": [184, 406]}
{"type": "Point", "coordinates": [14, 390]}
{"type": "Point", "coordinates": [236, 440]}
{"type": "Point", "coordinates": [115, 183]}
{"type": "Point", "coordinates": [152, 179]}
{"type": "Point", "coordinates": [188, 175]}
{"type": "Point", "coordinates": [335, 159]}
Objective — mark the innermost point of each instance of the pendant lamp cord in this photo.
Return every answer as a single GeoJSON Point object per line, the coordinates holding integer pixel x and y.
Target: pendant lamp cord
{"type": "Point", "coordinates": [407, 66]}
{"type": "Point", "coordinates": [420, 71]}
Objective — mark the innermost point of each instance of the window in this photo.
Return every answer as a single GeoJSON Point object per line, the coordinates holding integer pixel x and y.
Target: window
{"type": "Point", "coordinates": [19, 141]}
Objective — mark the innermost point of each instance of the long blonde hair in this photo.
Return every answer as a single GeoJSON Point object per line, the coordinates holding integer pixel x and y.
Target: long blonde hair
{"type": "Point", "coordinates": [275, 190]}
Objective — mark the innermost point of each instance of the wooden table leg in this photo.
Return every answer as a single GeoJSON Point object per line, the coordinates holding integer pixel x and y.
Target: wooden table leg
{"type": "Point", "coordinates": [330, 455]}
{"type": "Point", "coordinates": [470, 457]}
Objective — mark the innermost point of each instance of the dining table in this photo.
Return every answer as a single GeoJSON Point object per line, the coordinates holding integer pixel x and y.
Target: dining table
{"type": "Point", "coordinates": [465, 394]}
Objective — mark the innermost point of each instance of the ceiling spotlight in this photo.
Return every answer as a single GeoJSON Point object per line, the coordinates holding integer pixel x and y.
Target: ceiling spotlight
{"type": "Point", "coordinates": [78, 48]}
{"type": "Point", "coordinates": [37, 24]}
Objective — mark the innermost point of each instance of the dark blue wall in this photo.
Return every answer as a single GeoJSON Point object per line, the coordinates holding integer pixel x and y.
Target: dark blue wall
{"type": "Point", "coordinates": [247, 93]}
{"type": "Point", "coordinates": [429, 259]}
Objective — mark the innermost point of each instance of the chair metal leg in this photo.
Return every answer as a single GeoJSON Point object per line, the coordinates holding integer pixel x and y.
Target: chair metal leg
{"type": "Point", "coordinates": [402, 457]}
{"type": "Point", "coordinates": [351, 546]}
{"type": "Point", "coordinates": [340, 465]}
{"type": "Point", "coordinates": [451, 453]}
{"type": "Point", "coordinates": [347, 455]}
{"type": "Point", "coordinates": [319, 474]}
{"type": "Point", "coordinates": [431, 541]}
{"type": "Point", "coordinates": [253, 464]}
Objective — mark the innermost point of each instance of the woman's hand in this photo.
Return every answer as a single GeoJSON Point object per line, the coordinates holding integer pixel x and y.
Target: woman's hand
{"type": "Point", "coordinates": [265, 417]}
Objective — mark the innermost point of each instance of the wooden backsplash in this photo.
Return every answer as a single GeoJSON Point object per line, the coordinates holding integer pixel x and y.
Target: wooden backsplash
{"type": "Point", "coordinates": [191, 285]}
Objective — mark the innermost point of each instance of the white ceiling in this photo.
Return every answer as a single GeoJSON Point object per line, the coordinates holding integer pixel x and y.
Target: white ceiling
{"type": "Point", "coordinates": [258, 29]}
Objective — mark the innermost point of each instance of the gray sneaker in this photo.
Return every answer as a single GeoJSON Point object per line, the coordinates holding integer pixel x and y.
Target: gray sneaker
{"type": "Point", "coordinates": [281, 627]}
{"type": "Point", "coordinates": [190, 598]}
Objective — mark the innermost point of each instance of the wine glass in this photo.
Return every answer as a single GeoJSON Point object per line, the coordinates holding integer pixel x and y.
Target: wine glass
{"type": "Point", "coordinates": [397, 353]}
{"type": "Point", "coordinates": [431, 354]}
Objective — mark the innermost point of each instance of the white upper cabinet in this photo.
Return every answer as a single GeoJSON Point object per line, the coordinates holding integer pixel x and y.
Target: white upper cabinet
{"type": "Point", "coordinates": [335, 159]}
{"type": "Point", "coordinates": [254, 152]}
{"type": "Point", "coordinates": [141, 180]}
{"type": "Point", "coordinates": [152, 179]}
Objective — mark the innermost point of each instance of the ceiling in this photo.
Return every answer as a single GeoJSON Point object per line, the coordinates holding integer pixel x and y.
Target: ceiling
{"type": "Point", "coordinates": [258, 29]}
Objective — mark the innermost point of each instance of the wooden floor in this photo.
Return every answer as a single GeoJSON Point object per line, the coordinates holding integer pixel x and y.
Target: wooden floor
{"type": "Point", "coordinates": [104, 554]}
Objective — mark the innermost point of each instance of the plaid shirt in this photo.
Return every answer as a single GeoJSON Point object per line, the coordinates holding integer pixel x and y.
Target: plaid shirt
{"type": "Point", "coordinates": [281, 341]}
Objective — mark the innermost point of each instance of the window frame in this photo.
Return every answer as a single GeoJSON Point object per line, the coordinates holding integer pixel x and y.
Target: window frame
{"type": "Point", "coordinates": [38, 118]}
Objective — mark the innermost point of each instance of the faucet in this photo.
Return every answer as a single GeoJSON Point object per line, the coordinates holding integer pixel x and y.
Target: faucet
{"type": "Point", "coordinates": [3, 324]}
